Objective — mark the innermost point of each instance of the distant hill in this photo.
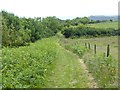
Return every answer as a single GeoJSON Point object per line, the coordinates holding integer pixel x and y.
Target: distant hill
{"type": "Point", "coordinates": [114, 18]}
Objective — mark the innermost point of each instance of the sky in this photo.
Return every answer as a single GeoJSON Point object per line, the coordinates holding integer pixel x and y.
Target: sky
{"type": "Point", "coordinates": [64, 9]}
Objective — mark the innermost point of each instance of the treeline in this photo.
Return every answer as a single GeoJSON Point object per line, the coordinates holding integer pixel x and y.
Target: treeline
{"type": "Point", "coordinates": [83, 30]}
{"type": "Point", "coordinates": [20, 31]}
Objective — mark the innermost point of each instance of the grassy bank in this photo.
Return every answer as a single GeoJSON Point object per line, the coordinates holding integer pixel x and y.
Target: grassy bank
{"type": "Point", "coordinates": [26, 66]}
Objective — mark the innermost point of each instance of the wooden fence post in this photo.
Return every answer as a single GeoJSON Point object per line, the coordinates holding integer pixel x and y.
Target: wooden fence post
{"type": "Point", "coordinates": [89, 45]}
{"type": "Point", "coordinates": [95, 48]}
{"type": "Point", "coordinates": [104, 54]}
{"type": "Point", "coordinates": [85, 45]}
{"type": "Point", "coordinates": [108, 50]}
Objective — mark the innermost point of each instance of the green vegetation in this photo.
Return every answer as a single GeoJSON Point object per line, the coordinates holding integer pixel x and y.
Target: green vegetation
{"type": "Point", "coordinates": [26, 66]}
{"type": "Point", "coordinates": [104, 69]}
{"type": "Point", "coordinates": [105, 25]}
{"type": "Point", "coordinates": [21, 31]}
{"type": "Point", "coordinates": [39, 52]}
{"type": "Point", "coordinates": [75, 48]}
{"type": "Point", "coordinates": [40, 65]}
{"type": "Point", "coordinates": [82, 30]}
{"type": "Point", "coordinates": [67, 72]}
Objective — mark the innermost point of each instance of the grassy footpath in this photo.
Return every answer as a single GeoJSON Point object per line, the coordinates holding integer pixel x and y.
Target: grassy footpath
{"type": "Point", "coordinates": [67, 72]}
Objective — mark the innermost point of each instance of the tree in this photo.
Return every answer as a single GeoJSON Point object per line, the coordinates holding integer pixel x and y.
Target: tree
{"type": "Point", "coordinates": [52, 24]}
{"type": "Point", "coordinates": [111, 20]}
{"type": "Point", "coordinates": [84, 20]}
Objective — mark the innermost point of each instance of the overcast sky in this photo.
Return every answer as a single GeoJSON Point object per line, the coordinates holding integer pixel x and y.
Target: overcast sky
{"type": "Point", "coordinates": [60, 8]}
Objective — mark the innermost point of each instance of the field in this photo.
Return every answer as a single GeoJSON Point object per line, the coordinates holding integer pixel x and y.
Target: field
{"type": "Point", "coordinates": [101, 44]}
{"type": "Point", "coordinates": [105, 25]}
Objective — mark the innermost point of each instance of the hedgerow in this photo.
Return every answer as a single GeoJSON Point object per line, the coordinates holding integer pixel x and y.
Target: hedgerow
{"type": "Point", "coordinates": [78, 31]}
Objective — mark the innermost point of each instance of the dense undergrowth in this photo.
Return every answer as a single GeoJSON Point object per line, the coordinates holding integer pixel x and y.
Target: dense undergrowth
{"type": "Point", "coordinates": [80, 50]}
{"type": "Point", "coordinates": [26, 66]}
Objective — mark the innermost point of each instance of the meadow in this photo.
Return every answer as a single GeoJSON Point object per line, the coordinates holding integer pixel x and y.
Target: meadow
{"type": "Point", "coordinates": [105, 25]}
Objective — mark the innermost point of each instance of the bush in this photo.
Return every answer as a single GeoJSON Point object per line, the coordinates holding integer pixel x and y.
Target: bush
{"type": "Point", "coordinates": [26, 67]}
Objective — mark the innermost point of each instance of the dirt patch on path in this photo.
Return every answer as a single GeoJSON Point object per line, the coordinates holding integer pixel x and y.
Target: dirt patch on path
{"type": "Point", "coordinates": [92, 82]}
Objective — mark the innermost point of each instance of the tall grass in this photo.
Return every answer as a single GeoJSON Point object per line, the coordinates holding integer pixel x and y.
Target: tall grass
{"type": "Point", "coordinates": [105, 70]}
{"type": "Point", "coordinates": [74, 47]}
